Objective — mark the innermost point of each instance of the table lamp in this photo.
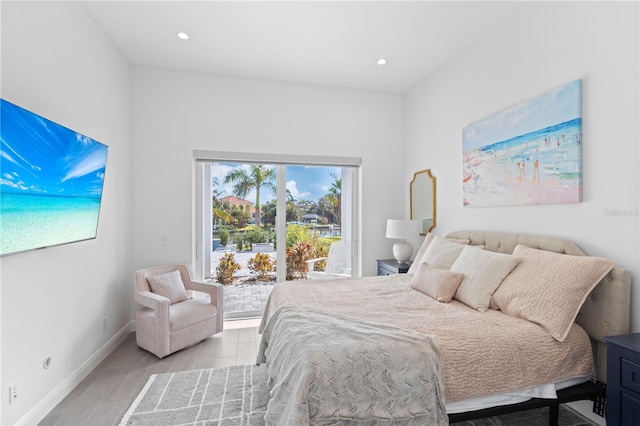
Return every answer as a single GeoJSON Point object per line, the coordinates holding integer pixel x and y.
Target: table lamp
{"type": "Point", "coordinates": [402, 229]}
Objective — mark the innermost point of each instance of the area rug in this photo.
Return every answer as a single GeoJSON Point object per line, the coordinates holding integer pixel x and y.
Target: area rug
{"type": "Point", "coordinates": [238, 395]}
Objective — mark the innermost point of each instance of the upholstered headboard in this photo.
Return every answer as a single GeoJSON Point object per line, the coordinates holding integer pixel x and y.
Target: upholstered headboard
{"type": "Point", "coordinates": [606, 310]}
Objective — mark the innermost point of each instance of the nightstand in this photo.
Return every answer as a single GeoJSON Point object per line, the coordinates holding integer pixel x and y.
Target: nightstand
{"type": "Point", "coordinates": [623, 379]}
{"type": "Point", "coordinates": [391, 267]}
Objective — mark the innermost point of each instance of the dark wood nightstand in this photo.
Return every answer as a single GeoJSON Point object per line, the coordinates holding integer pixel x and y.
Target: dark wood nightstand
{"type": "Point", "coordinates": [391, 267]}
{"type": "Point", "coordinates": [623, 379]}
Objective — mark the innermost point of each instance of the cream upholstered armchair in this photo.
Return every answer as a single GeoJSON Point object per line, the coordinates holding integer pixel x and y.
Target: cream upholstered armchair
{"type": "Point", "coordinates": [170, 320]}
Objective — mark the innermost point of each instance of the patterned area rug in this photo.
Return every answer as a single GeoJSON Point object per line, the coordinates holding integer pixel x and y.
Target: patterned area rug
{"type": "Point", "coordinates": [235, 395]}
{"type": "Point", "coordinates": [238, 395]}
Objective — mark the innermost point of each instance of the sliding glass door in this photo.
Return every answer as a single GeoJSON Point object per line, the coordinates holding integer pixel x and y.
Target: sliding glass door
{"type": "Point", "coordinates": [268, 222]}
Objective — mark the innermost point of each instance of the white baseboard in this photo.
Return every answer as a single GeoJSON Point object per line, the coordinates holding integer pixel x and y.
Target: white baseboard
{"type": "Point", "coordinates": [49, 402]}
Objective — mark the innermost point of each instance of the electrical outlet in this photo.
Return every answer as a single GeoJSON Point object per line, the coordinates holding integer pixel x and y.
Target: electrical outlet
{"type": "Point", "coordinates": [104, 324]}
{"type": "Point", "coordinates": [13, 392]}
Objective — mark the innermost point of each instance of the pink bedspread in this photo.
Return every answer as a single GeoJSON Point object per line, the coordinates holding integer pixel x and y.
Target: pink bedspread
{"type": "Point", "coordinates": [484, 352]}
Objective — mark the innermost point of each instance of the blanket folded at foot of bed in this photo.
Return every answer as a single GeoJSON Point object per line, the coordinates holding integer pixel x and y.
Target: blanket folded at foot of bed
{"type": "Point", "coordinates": [333, 369]}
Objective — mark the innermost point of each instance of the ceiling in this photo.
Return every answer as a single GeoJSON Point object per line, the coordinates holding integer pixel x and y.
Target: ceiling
{"type": "Point", "coordinates": [324, 42]}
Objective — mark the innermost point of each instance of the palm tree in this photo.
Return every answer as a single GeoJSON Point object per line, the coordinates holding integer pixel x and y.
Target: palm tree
{"type": "Point", "coordinates": [218, 213]}
{"type": "Point", "coordinates": [290, 196]}
{"type": "Point", "coordinates": [258, 177]}
{"type": "Point", "coordinates": [325, 208]}
{"type": "Point", "coordinates": [215, 192]}
{"type": "Point", "coordinates": [334, 196]}
{"type": "Point", "coordinates": [223, 215]}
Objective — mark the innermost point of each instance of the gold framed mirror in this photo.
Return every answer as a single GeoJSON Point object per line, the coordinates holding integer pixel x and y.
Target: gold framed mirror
{"type": "Point", "coordinates": [422, 199]}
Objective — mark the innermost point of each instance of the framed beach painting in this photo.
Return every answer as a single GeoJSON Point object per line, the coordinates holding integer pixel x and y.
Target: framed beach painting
{"type": "Point", "coordinates": [528, 154]}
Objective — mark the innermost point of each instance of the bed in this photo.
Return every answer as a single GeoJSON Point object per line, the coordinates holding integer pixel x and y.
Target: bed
{"type": "Point", "coordinates": [498, 352]}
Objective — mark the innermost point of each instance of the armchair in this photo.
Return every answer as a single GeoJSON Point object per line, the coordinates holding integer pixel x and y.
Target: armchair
{"type": "Point", "coordinates": [163, 328]}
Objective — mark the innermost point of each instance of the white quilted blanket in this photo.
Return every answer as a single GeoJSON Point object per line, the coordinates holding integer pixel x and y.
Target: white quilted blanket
{"type": "Point", "coordinates": [484, 353]}
{"type": "Point", "coordinates": [334, 369]}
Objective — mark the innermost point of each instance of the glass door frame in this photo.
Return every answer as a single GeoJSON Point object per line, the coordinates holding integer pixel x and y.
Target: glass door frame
{"type": "Point", "coordinates": [201, 255]}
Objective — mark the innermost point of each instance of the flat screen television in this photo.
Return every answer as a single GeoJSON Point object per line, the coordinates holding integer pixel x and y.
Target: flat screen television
{"type": "Point", "coordinates": [51, 181]}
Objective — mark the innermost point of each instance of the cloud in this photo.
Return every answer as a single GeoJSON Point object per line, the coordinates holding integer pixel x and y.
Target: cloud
{"type": "Point", "coordinates": [15, 185]}
{"type": "Point", "coordinates": [92, 162]}
{"type": "Point", "coordinates": [5, 154]}
{"type": "Point", "coordinates": [83, 139]}
{"type": "Point", "coordinates": [295, 192]}
{"type": "Point", "coordinates": [94, 190]}
{"type": "Point", "coordinates": [508, 117]}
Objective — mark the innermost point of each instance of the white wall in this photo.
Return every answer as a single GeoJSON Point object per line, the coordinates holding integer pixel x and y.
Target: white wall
{"type": "Point", "coordinates": [174, 113]}
{"type": "Point", "coordinates": [541, 46]}
{"type": "Point", "coordinates": [57, 64]}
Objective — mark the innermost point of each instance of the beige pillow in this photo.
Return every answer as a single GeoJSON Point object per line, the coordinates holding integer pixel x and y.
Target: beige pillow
{"type": "Point", "coordinates": [441, 253]}
{"type": "Point", "coordinates": [549, 288]}
{"type": "Point", "coordinates": [437, 283]}
{"type": "Point", "coordinates": [427, 240]}
{"type": "Point", "coordinates": [483, 272]}
{"type": "Point", "coordinates": [169, 285]}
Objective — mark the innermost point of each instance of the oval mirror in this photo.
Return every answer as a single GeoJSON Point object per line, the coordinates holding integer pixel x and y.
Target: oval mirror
{"type": "Point", "coordinates": [422, 199]}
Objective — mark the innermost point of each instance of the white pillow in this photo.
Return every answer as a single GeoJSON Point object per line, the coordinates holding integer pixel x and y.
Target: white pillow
{"type": "Point", "coordinates": [169, 285]}
{"type": "Point", "coordinates": [483, 272]}
{"type": "Point", "coordinates": [441, 253]}
{"type": "Point", "coordinates": [425, 244]}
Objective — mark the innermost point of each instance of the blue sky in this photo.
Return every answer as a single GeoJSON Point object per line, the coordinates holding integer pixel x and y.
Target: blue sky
{"type": "Point", "coordinates": [304, 182]}
{"type": "Point", "coordinates": [39, 156]}
{"type": "Point", "coordinates": [548, 109]}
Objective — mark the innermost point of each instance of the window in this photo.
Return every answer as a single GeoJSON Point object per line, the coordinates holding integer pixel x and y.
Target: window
{"type": "Point", "coordinates": [250, 204]}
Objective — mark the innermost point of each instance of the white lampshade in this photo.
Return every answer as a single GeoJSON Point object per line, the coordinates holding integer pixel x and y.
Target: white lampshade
{"type": "Point", "coordinates": [401, 229]}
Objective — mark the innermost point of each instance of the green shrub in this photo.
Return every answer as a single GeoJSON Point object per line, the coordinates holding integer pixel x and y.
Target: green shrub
{"type": "Point", "coordinates": [226, 268]}
{"type": "Point", "coordinates": [224, 235]}
{"type": "Point", "coordinates": [297, 234]}
{"type": "Point", "coordinates": [262, 264]}
{"type": "Point", "coordinates": [260, 234]}
{"type": "Point", "coordinates": [239, 240]}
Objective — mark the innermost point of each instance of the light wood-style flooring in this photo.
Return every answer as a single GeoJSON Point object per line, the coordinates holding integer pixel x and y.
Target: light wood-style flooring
{"type": "Point", "coordinates": [104, 396]}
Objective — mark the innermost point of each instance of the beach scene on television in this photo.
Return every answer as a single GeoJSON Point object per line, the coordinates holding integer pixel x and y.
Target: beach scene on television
{"type": "Point", "coordinates": [528, 154]}
{"type": "Point", "coordinates": [51, 181]}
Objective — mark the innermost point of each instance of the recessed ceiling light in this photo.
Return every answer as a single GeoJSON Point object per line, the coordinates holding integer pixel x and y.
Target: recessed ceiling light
{"type": "Point", "coordinates": [382, 61]}
{"type": "Point", "coordinates": [182, 35]}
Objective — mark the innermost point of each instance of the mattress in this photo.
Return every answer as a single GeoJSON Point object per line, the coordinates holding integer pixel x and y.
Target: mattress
{"type": "Point", "coordinates": [546, 391]}
{"type": "Point", "coordinates": [484, 353]}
